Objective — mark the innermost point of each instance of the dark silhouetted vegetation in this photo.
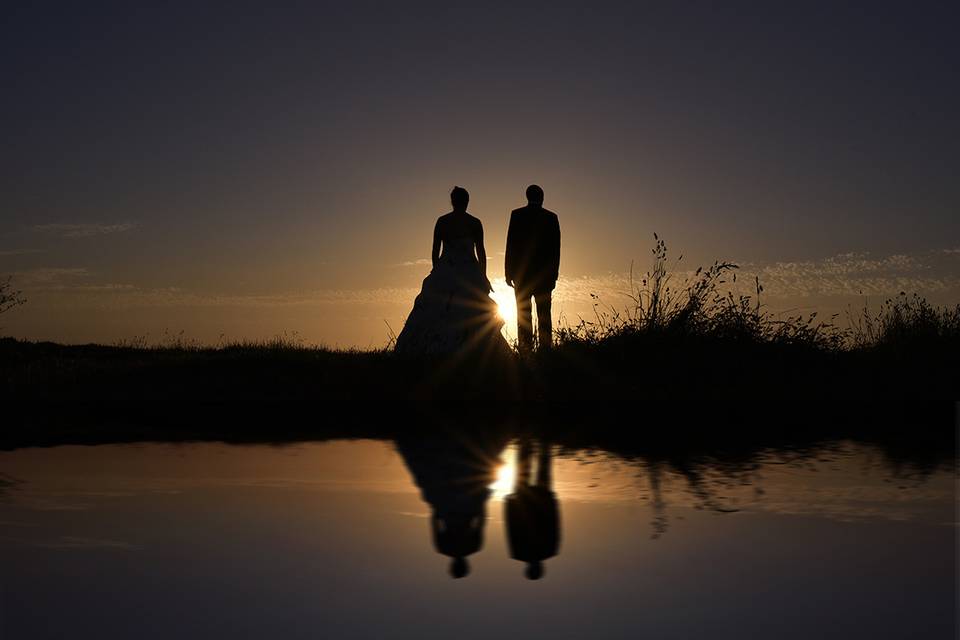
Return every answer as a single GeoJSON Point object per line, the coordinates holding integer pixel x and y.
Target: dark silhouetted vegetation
{"type": "Point", "coordinates": [689, 367]}
{"type": "Point", "coordinates": [9, 298]}
{"type": "Point", "coordinates": [700, 307]}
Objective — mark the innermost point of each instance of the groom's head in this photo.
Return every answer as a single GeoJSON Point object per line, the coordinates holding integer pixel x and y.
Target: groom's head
{"type": "Point", "coordinates": [535, 195]}
{"type": "Point", "coordinates": [459, 198]}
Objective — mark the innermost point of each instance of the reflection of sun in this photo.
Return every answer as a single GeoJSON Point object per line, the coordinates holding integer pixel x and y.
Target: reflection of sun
{"type": "Point", "coordinates": [506, 472]}
{"type": "Point", "coordinates": [507, 304]}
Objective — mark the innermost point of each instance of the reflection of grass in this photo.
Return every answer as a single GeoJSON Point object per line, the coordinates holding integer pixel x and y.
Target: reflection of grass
{"type": "Point", "coordinates": [693, 369]}
{"type": "Point", "coordinates": [7, 483]}
{"type": "Point", "coordinates": [686, 361]}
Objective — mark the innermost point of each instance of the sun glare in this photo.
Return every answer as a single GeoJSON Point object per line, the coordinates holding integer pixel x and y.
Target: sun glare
{"type": "Point", "coordinates": [506, 472]}
{"type": "Point", "coordinates": [507, 306]}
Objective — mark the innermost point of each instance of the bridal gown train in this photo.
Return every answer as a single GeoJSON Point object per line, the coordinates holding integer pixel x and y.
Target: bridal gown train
{"type": "Point", "coordinates": [453, 311]}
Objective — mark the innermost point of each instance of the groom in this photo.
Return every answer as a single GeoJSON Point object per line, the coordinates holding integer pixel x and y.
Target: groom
{"type": "Point", "coordinates": [531, 266]}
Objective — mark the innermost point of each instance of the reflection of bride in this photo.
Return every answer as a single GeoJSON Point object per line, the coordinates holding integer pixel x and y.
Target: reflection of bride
{"type": "Point", "coordinates": [454, 309]}
{"type": "Point", "coordinates": [454, 472]}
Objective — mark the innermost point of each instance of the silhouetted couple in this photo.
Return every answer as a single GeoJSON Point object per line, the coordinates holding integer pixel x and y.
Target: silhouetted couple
{"type": "Point", "coordinates": [454, 310]}
{"type": "Point", "coordinates": [454, 473]}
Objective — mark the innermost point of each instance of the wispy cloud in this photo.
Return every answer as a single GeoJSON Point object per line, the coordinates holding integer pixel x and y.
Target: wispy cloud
{"type": "Point", "coordinates": [414, 263]}
{"type": "Point", "coordinates": [50, 277]}
{"type": "Point", "coordinates": [848, 274]}
{"type": "Point", "coordinates": [932, 273]}
{"type": "Point", "coordinates": [83, 230]}
{"type": "Point", "coordinates": [68, 288]}
{"type": "Point", "coordinates": [853, 274]}
{"type": "Point", "coordinates": [77, 542]}
{"type": "Point", "coordinates": [420, 262]}
{"type": "Point", "coordinates": [18, 252]}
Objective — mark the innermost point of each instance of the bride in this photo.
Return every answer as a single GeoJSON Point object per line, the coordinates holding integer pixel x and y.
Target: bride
{"type": "Point", "coordinates": [454, 311]}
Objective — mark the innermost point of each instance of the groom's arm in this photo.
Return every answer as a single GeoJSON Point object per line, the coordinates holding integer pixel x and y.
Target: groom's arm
{"type": "Point", "coordinates": [554, 248]}
{"type": "Point", "coordinates": [510, 254]}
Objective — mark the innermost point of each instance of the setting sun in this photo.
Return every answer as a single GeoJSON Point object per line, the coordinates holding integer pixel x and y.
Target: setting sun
{"type": "Point", "coordinates": [506, 305]}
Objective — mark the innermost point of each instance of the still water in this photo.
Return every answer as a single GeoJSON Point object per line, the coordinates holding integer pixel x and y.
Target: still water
{"type": "Point", "coordinates": [347, 539]}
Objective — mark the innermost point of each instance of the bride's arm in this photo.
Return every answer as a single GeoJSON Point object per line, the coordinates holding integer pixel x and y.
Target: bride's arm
{"type": "Point", "coordinates": [435, 253]}
{"type": "Point", "coordinates": [481, 251]}
{"type": "Point", "coordinates": [482, 256]}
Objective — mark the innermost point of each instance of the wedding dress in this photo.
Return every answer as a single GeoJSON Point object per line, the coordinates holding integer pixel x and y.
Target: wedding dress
{"type": "Point", "coordinates": [453, 311]}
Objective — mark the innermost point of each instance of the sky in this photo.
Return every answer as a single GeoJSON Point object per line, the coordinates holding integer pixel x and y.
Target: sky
{"type": "Point", "coordinates": [243, 170]}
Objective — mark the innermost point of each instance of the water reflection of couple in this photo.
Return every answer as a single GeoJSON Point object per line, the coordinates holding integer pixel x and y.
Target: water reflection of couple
{"type": "Point", "coordinates": [454, 311]}
{"type": "Point", "coordinates": [454, 474]}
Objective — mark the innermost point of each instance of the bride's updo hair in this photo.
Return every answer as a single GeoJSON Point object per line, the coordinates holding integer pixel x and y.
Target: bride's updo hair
{"type": "Point", "coordinates": [459, 198]}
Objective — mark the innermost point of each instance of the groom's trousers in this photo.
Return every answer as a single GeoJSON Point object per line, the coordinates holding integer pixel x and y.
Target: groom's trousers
{"type": "Point", "coordinates": [525, 318]}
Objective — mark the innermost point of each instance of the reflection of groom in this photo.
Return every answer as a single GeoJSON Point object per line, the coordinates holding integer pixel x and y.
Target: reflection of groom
{"type": "Point", "coordinates": [532, 513]}
{"type": "Point", "coordinates": [531, 266]}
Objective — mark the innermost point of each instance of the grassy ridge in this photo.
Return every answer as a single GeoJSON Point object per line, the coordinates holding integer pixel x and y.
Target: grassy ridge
{"type": "Point", "coordinates": [688, 363]}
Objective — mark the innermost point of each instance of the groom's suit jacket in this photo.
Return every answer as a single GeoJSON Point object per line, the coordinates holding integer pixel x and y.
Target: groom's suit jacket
{"type": "Point", "coordinates": [533, 249]}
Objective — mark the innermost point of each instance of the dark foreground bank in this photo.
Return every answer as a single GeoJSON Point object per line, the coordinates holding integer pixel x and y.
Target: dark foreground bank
{"type": "Point", "coordinates": [628, 392]}
{"type": "Point", "coordinates": [688, 364]}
